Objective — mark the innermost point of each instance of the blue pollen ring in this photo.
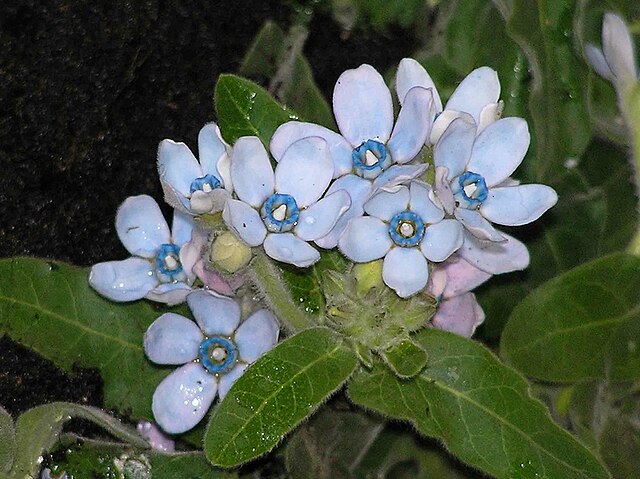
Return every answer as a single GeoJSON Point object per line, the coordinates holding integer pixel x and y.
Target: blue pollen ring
{"type": "Point", "coordinates": [474, 198]}
{"type": "Point", "coordinates": [168, 259]}
{"type": "Point", "coordinates": [280, 213]}
{"type": "Point", "coordinates": [199, 184]}
{"type": "Point", "coordinates": [217, 354]}
{"type": "Point", "coordinates": [360, 163]}
{"type": "Point", "coordinates": [406, 229]}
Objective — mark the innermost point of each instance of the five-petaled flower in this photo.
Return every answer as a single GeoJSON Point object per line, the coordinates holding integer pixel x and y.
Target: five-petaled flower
{"type": "Point", "coordinates": [191, 186]}
{"type": "Point", "coordinates": [285, 209]}
{"type": "Point", "coordinates": [214, 351]}
{"type": "Point", "coordinates": [473, 185]}
{"type": "Point", "coordinates": [161, 266]}
{"type": "Point", "coordinates": [407, 228]}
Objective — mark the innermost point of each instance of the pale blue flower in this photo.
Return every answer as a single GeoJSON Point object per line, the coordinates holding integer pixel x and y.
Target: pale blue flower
{"type": "Point", "coordinates": [616, 61]}
{"type": "Point", "coordinates": [214, 351]}
{"type": "Point", "coordinates": [161, 266]}
{"type": "Point", "coordinates": [407, 228]}
{"type": "Point", "coordinates": [284, 210]}
{"type": "Point", "coordinates": [472, 178]}
{"type": "Point", "coordinates": [476, 97]}
{"type": "Point", "coordinates": [194, 186]}
{"type": "Point", "coordinates": [370, 152]}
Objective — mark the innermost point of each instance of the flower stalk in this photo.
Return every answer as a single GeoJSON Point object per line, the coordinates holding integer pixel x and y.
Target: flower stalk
{"type": "Point", "coordinates": [269, 282]}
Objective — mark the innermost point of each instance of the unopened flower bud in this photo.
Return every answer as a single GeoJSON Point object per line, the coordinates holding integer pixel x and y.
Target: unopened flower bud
{"type": "Point", "coordinates": [228, 253]}
{"type": "Point", "coordinates": [368, 276]}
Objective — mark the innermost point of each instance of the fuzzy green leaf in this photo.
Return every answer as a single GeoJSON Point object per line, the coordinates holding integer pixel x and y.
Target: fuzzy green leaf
{"type": "Point", "coordinates": [480, 409]}
{"type": "Point", "coordinates": [275, 394]}
{"type": "Point", "coordinates": [406, 359]}
{"type": "Point", "coordinates": [38, 429]}
{"type": "Point", "coordinates": [7, 440]}
{"type": "Point", "coordinates": [49, 307]}
{"type": "Point", "coordinates": [584, 324]}
{"type": "Point", "coordinates": [246, 109]}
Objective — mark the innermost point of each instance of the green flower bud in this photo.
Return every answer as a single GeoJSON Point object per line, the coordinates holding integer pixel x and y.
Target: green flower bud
{"type": "Point", "coordinates": [228, 253]}
{"type": "Point", "coordinates": [368, 276]}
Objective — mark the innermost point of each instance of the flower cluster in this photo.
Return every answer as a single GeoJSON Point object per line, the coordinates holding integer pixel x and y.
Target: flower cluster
{"type": "Point", "coordinates": [421, 192]}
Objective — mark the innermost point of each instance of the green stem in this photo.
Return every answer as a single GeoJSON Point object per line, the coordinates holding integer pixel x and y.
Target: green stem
{"type": "Point", "coordinates": [269, 281]}
{"type": "Point", "coordinates": [630, 105]}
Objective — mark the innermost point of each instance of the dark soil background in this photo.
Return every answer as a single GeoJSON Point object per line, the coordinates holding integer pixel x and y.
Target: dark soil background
{"type": "Point", "coordinates": [87, 90]}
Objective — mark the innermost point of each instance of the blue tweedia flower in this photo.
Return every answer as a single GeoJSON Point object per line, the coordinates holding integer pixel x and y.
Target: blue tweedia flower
{"type": "Point", "coordinates": [193, 186]}
{"type": "Point", "coordinates": [476, 97]}
{"type": "Point", "coordinates": [214, 351]}
{"type": "Point", "coordinates": [370, 152]}
{"type": "Point", "coordinates": [161, 266]}
{"type": "Point", "coordinates": [285, 209]}
{"type": "Point", "coordinates": [473, 185]}
{"type": "Point", "coordinates": [407, 228]}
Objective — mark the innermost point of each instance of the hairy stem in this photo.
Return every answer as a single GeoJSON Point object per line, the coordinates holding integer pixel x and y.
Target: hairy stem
{"type": "Point", "coordinates": [630, 103]}
{"type": "Point", "coordinates": [269, 282]}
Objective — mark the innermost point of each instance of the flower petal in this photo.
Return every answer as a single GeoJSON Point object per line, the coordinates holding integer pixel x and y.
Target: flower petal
{"type": "Point", "coordinates": [453, 149]}
{"type": "Point", "coordinates": [169, 293]}
{"type": "Point", "coordinates": [385, 205]}
{"type": "Point", "coordinates": [596, 59]}
{"type": "Point", "coordinates": [405, 271]}
{"type": "Point", "coordinates": [126, 280]}
{"type": "Point", "coordinates": [365, 239]}
{"type": "Point", "coordinates": [495, 258]}
{"type": "Point", "coordinates": [411, 74]}
{"type": "Point", "coordinates": [362, 105]}
{"type": "Point", "coordinates": [391, 178]}
{"type": "Point", "coordinates": [227, 380]}
{"type": "Point", "coordinates": [191, 252]}
{"type": "Point", "coordinates": [460, 315]}
{"type": "Point", "coordinates": [288, 248]}
{"type": "Point", "coordinates": [211, 149]}
{"type": "Point", "coordinates": [181, 229]}
{"type": "Point", "coordinates": [251, 172]}
{"type": "Point", "coordinates": [422, 202]}
{"type": "Point", "coordinates": [500, 149]}
{"type": "Point", "coordinates": [443, 191]}
{"type": "Point", "coordinates": [292, 131]}
{"type": "Point", "coordinates": [490, 114]}
{"type": "Point", "coordinates": [244, 221]}
{"type": "Point", "coordinates": [413, 125]}
{"type": "Point", "coordinates": [443, 121]}
{"type": "Point", "coordinates": [461, 276]}
{"type": "Point", "coordinates": [317, 221]}
{"type": "Point", "coordinates": [477, 225]}
{"type": "Point", "coordinates": [358, 189]}
{"type": "Point", "coordinates": [215, 314]}
{"type": "Point", "coordinates": [257, 335]}
{"type": "Point", "coordinates": [441, 240]}
{"type": "Point", "coordinates": [177, 166]}
{"type": "Point", "coordinates": [305, 170]}
{"type": "Point", "coordinates": [183, 398]}
{"type": "Point", "coordinates": [172, 339]}
{"type": "Point", "coordinates": [518, 205]}
{"type": "Point", "coordinates": [617, 46]}
{"type": "Point", "coordinates": [478, 89]}
{"type": "Point", "coordinates": [141, 226]}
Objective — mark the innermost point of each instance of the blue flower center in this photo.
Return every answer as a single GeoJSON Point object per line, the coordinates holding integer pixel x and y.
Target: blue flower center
{"type": "Point", "coordinates": [406, 229]}
{"type": "Point", "coordinates": [280, 213]}
{"type": "Point", "coordinates": [217, 354]}
{"type": "Point", "coordinates": [469, 190]}
{"type": "Point", "coordinates": [205, 183]}
{"type": "Point", "coordinates": [168, 261]}
{"type": "Point", "coordinates": [370, 159]}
